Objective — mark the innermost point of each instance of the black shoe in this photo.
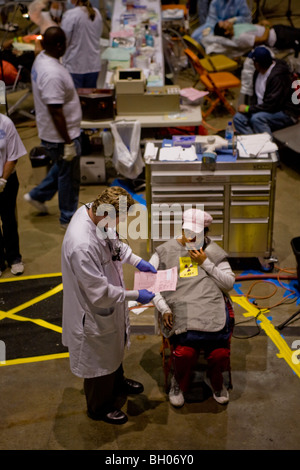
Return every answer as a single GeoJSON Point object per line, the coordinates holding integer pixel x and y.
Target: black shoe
{"type": "Point", "coordinates": [115, 417]}
{"type": "Point", "coordinates": [131, 387]}
{"type": "Point", "coordinates": [112, 417]}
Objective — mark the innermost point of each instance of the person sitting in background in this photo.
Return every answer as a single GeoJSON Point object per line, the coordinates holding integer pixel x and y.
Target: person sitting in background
{"type": "Point", "coordinates": [273, 106]}
{"type": "Point", "coordinates": [248, 35]}
{"type": "Point", "coordinates": [236, 11]}
{"type": "Point", "coordinates": [198, 315]}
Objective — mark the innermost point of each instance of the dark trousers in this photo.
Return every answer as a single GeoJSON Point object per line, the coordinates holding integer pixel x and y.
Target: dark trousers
{"type": "Point", "coordinates": [9, 237]}
{"type": "Point", "coordinates": [101, 392]}
{"type": "Point", "coordinates": [286, 36]}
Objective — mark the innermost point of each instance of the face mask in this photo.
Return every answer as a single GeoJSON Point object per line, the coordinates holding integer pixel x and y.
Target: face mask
{"type": "Point", "coordinates": [55, 13]}
{"type": "Point", "coordinates": [197, 244]}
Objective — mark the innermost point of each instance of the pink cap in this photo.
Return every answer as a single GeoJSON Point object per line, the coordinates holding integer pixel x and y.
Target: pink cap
{"type": "Point", "coordinates": [196, 220]}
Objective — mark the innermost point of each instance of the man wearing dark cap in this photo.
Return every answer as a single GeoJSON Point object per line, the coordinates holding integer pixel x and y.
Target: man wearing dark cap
{"type": "Point", "coordinates": [272, 106]}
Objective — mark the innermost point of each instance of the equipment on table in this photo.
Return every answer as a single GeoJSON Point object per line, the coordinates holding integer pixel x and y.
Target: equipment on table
{"type": "Point", "coordinates": [97, 104]}
{"type": "Point", "coordinates": [134, 98]}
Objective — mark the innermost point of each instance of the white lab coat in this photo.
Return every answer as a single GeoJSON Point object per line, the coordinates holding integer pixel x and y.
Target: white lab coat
{"type": "Point", "coordinates": [95, 313]}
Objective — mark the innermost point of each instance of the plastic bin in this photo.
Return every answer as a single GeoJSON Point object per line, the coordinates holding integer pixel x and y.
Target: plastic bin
{"type": "Point", "coordinates": [295, 242]}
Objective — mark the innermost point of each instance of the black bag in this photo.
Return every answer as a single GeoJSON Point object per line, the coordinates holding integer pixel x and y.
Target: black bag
{"type": "Point", "coordinates": [39, 156]}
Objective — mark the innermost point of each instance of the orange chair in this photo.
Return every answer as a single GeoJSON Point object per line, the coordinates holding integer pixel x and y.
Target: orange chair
{"type": "Point", "coordinates": [217, 83]}
{"type": "Point", "coordinates": [211, 63]}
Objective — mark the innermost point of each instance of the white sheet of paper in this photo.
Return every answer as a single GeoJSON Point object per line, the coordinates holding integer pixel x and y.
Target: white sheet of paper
{"type": "Point", "coordinates": [156, 282]}
{"type": "Point", "coordinates": [255, 145]}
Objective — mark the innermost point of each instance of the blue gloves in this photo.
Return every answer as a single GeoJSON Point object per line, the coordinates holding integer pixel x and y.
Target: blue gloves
{"type": "Point", "coordinates": [145, 296]}
{"type": "Point", "coordinates": [146, 267]}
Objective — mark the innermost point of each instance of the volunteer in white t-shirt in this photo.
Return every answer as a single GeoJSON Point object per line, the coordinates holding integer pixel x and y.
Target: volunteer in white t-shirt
{"type": "Point", "coordinates": [11, 149]}
{"type": "Point", "coordinates": [83, 28]}
{"type": "Point", "coordinates": [58, 117]}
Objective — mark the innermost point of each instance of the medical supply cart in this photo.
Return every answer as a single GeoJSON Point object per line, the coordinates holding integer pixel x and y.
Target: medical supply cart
{"type": "Point", "coordinates": [238, 194]}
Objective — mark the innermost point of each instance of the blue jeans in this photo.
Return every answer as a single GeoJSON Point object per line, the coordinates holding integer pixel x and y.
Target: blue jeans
{"type": "Point", "coordinates": [261, 122]}
{"type": "Point", "coordinates": [85, 80]}
{"type": "Point", "coordinates": [64, 178]}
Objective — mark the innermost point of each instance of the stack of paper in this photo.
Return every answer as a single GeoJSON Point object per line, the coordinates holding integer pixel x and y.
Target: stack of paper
{"type": "Point", "coordinates": [255, 145]}
{"type": "Point", "coordinates": [178, 153]}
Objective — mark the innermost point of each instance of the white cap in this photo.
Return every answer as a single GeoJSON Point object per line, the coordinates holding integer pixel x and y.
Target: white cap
{"type": "Point", "coordinates": [196, 220]}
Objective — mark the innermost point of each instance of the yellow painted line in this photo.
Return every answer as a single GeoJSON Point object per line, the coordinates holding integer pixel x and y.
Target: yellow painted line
{"type": "Point", "coordinates": [28, 360]}
{"type": "Point", "coordinates": [285, 352]}
{"type": "Point", "coordinates": [12, 313]}
{"type": "Point", "coordinates": [22, 278]}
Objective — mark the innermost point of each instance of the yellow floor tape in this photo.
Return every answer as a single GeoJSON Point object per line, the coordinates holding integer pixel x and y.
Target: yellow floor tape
{"type": "Point", "coordinates": [250, 311]}
{"type": "Point", "coordinates": [27, 360]}
{"type": "Point", "coordinates": [285, 352]}
{"type": "Point", "coordinates": [12, 314]}
{"type": "Point", "coordinates": [25, 278]}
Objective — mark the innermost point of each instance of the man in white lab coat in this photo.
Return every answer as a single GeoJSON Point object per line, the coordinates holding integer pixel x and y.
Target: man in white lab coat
{"type": "Point", "coordinates": [95, 313]}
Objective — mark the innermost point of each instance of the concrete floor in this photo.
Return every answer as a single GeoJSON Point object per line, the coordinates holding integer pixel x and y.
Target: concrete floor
{"type": "Point", "coordinates": [43, 405]}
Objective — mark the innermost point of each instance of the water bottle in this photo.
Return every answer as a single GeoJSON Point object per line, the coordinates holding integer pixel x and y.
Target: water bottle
{"type": "Point", "coordinates": [148, 37]}
{"type": "Point", "coordinates": [107, 142]}
{"type": "Point", "coordinates": [229, 132]}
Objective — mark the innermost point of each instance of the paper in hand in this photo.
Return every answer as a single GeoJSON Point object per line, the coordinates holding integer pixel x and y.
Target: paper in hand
{"type": "Point", "coordinates": [161, 281]}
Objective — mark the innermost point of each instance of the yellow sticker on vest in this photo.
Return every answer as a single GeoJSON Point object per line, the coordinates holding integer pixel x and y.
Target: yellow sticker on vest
{"type": "Point", "coordinates": [187, 267]}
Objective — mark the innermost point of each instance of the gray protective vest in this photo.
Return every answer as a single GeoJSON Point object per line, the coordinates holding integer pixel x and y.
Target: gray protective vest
{"type": "Point", "coordinates": [198, 303]}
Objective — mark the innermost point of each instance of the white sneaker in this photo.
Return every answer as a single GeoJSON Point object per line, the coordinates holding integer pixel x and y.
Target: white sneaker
{"type": "Point", "coordinates": [175, 394]}
{"type": "Point", "coordinates": [17, 268]}
{"type": "Point", "coordinates": [221, 396]}
{"type": "Point", "coordinates": [40, 206]}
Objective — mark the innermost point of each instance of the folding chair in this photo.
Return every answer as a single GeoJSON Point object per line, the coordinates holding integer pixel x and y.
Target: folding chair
{"type": "Point", "coordinates": [26, 89]}
{"type": "Point", "coordinates": [214, 63]}
{"type": "Point", "coordinates": [217, 83]}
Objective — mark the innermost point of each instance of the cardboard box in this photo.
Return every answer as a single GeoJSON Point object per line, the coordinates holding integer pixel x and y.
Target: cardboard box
{"type": "Point", "coordinates": [164, 100]}
{"type": "Point", "coordinates": [130, 81]}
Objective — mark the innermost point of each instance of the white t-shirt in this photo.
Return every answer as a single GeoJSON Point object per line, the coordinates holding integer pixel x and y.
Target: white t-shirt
{"type": "Point", "coordinates": [260, 84]}
{"type": "Point", "coordinates": [83, 40]}
{"type": "Point", "coordinates": [11, 145]}
{"type": "Point", "coordinates": [245, 33]}
{"type": "Point", "coordinates": [52, 84]}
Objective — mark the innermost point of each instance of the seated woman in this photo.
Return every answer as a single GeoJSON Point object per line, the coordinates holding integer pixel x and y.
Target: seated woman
{"type": "Point", "coordinates": [198, 316]}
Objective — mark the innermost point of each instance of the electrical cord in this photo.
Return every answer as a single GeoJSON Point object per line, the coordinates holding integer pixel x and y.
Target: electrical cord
{"type": "Point", "coordinates": [265, 278]}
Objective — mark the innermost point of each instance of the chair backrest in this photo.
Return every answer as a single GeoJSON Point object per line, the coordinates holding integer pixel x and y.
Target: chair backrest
{"type": "Point", "coordinates": [203, 74]}
{"type": "Point", "coordinates": [195, 62]}
{"type": "Point", "coordinates": [194, 45]}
